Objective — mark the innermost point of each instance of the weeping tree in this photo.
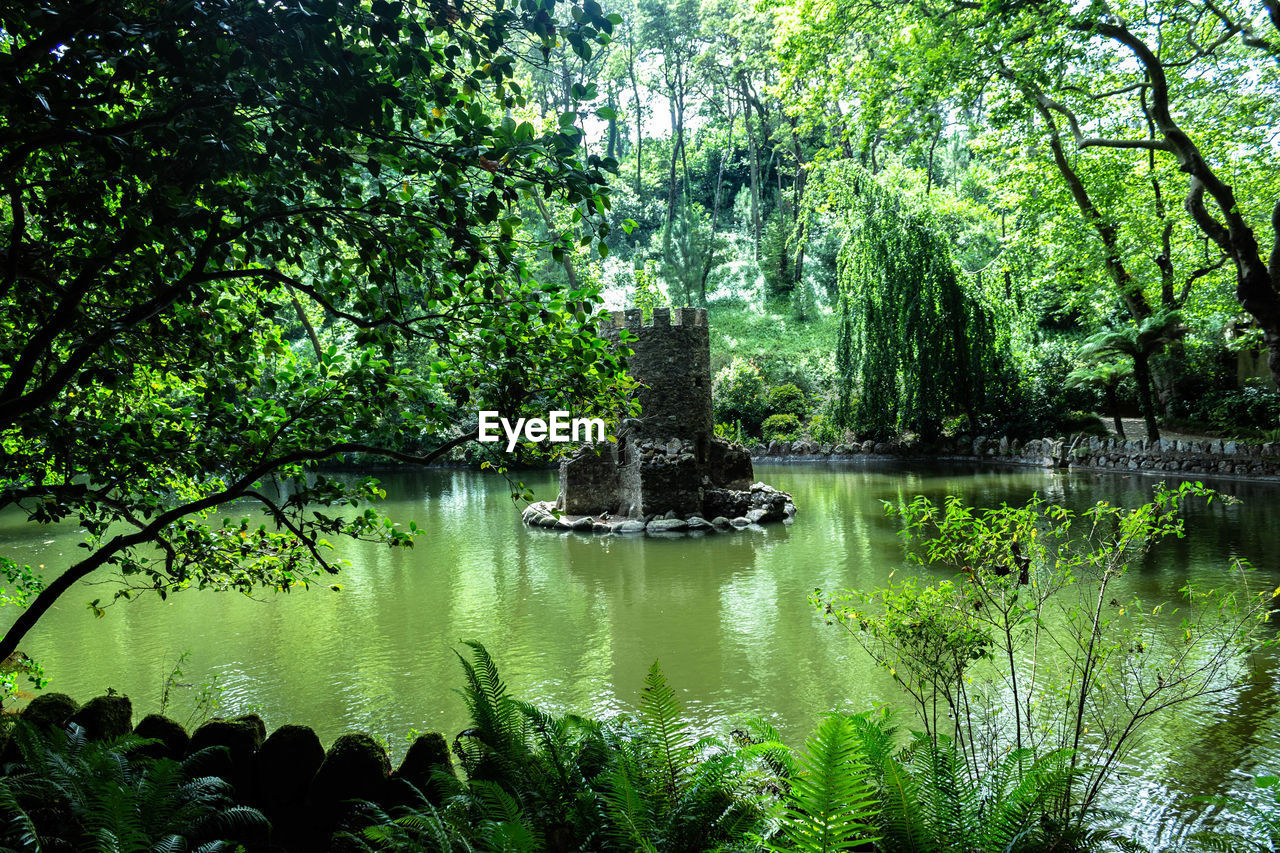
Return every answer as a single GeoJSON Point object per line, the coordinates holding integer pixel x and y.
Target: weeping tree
{"type": "Point", "coordinates": [917, 343]}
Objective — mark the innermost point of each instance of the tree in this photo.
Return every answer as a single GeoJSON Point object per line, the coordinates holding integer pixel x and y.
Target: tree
{"type": "Point", "coordinates": [917, 344]}
{"type": "Point", "coordinates": [1203, 36]}
{"type": "Point", "coordinates": [1137, 344]}
{"type": "Point", "coordinates": [185, 186]}
{"type": "Point", "coordinates": [1106, 376]}
{"type": "Point", "coordinates": [1123, 89]}
{"type": "Point", "coordinates": [672, 30]}
{"type": "Point", "coordinates": [1032, 646]}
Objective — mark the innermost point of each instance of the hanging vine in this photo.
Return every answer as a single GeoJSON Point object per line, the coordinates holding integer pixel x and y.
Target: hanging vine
{"type": "Point", "coordinates": [917, 342]}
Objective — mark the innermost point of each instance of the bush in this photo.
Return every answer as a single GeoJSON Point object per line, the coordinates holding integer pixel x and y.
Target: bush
{"type": "Point", "coordinates": [731, 432]}
{"type": "Point", "coordinates": [823, 430]}
{"type": "Point", "coordinates": [787, 399]}
{"type": "Point", "coordinates": [738, 395]}
{"type": "Point", "coordinates": [775, 265]}
{"type": "Point", "coordinates": [1250, 408]}
{"type": "Point", "coordinates": [781, 428]}
{"type": "Point", "coordinates": [1082, 422]}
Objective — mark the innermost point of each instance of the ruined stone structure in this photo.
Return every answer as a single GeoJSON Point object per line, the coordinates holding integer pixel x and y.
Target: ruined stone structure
{"type": "Point", "coordinates": [667, 469]}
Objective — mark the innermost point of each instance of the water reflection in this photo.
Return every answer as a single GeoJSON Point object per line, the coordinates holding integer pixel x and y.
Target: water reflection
{"type": "Point", "coordinates": [575, 620]}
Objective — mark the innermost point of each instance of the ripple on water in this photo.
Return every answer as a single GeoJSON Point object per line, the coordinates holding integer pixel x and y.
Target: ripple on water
{"type": "Point", "coordinates": [574, 622]}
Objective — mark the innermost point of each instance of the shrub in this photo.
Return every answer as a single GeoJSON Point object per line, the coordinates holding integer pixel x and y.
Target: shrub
{"type": "Point", "coordinates": [1241, 408]}
{"type": "Point", "coordinates": [781, 428]}
{"type": "Point", "coordinates": [73, 793]}
{"type": "Point", "coordinates": [738, 394]}
{"type": "Point", "coordinates": [1083, 422]}
{"type": "Point", "coordinates": [774, 262]}
{"type": "Point", "coordinates": [962, 643]}
{"type": "Point", "coordinates": [823, 430]}
{"type": "Point", "coordinates": [731, 432]}
{"type": "Point", "coordinates": [787, 399]}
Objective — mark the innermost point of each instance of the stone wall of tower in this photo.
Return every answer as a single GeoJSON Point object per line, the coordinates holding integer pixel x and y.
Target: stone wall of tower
{"type": "Point", "coordinates": [671, 359]}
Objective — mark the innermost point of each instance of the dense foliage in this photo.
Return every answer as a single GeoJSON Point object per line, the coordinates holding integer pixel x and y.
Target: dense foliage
{"type": "Point", "coordinates": [968, 651]}
{"type": "Point", "coordinates": [916, 344]}
{"type": "Point", "coordinates": [534, 780]}
{"type": "Point", "coordinates": [239, 239]}
{"type": "Point", "coordinates": [1075, 163]}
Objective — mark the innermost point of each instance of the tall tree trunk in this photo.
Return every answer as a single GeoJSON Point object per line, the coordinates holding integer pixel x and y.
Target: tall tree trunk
{"type": "Point", "coordinates": [1142, 373]}
{"type": "Point", "coordinates": [611, 147]}
{"type": "Point", "coordinates": [797, 205]}
{"type": "Point", "coordinates": [1114, 408]}
{"type": "Point", "coordinates": [671, 173]}
{"type": "Point", "coordinates": [684, 161]}
{"type": "Point", "coordinates": [754, 153]}
{"type": "Point", "coordinates": [635, 93]}
{"type": "Point", "coordinates": [715, 209]}
{"type": "Point", "coordinates": [551, 228]}
{"type": "Point", "coordinates": [933, 146]}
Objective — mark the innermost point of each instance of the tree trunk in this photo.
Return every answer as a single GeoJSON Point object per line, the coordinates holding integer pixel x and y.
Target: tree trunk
{"type": "Point", "coordinates": [611, 147]}
{"type": "Point", "coordinates": [797, 203]}
{"type": "Point", "coordinates": [715, 207]}
{"type": "Point", "coordinates": [754, 152]}
{"type": "Point", "coordinates": [933, 146]}
{"type": "Point", "coordinates": [635, 92]}
{"type": "Point", "coordinates": [1142, 373]}
{"type": "Point", "coordinates": [671, 173]}
{"type": "Point", "coordinates": [1114, 408]}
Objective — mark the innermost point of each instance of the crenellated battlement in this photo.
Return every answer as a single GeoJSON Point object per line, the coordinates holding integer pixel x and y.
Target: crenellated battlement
{"type": "Point", "coordinates": [633, 318]}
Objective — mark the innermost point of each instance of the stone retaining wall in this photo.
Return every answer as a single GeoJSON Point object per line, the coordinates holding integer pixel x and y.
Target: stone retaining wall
{"type": "Point", "coordinates": [1208, 457]}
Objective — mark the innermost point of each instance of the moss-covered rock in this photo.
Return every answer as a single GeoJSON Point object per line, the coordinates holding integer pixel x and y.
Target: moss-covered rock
{"type": "Point", "coordinates": [172, 738]}
{"type": "Point", "coordinates": [50, 710]}
{"type": "Point", "coordinates": [285, 767]}
{"type": "Point", "coordinates": [356, 767]}
{"type": "Point", "coordinates": [256, 722]}
{"type": "Point", "coordinates": [241, 741]}
{"type": "Point", "coordinates": [282, 775]}
{"type": "Point", "coordinates": [427, 756]}
{"type": "Point", "coordinates": [105, 717]}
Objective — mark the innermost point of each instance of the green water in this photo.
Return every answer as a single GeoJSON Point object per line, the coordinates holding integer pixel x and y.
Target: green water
{"type": "Point", "coordinates": [575, 621]}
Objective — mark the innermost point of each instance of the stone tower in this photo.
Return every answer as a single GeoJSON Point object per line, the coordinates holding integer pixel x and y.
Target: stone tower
{"type": "Point", "coordinates": [672, 360]}
{"type": "Point", "coordinates": [667, 461]}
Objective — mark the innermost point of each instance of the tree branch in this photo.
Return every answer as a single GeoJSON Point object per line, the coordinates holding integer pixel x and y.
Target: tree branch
{"type": "Point", "coordinates": [238, 489]}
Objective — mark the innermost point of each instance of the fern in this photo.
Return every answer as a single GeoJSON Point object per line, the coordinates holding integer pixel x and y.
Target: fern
{"type": "Point", "coordinates": [18, 827]}
{"type": "Point", "coordinates": [104, 796]}
{"type": "Point", "coordinates": [1265, 820]}
{"type": "Point", "coordinates": [667, 734]}
{"type": "Point", "coordinates": [495, 731]}
{"type": "Point", "coordinates": [832, 802]}
{"type": "Point", "coordinates": [631, 817]}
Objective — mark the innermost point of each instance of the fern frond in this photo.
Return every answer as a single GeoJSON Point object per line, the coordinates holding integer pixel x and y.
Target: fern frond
{"type": "Point", "coordinates": [494, 717]}
{"type": "Point", "coordinates": [171, 843]}
{"type": "Point", "coordinates": [668, 736]}
{"type": "Point", "coordinates": [832, 802]}
{"type": "Point", "coordinates": [901, 817]}
{"type": "Point", "coordinates": [631, 820]}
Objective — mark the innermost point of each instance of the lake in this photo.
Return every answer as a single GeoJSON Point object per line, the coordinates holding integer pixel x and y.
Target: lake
{"type": "Point", "coordinates": [574, 621]}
